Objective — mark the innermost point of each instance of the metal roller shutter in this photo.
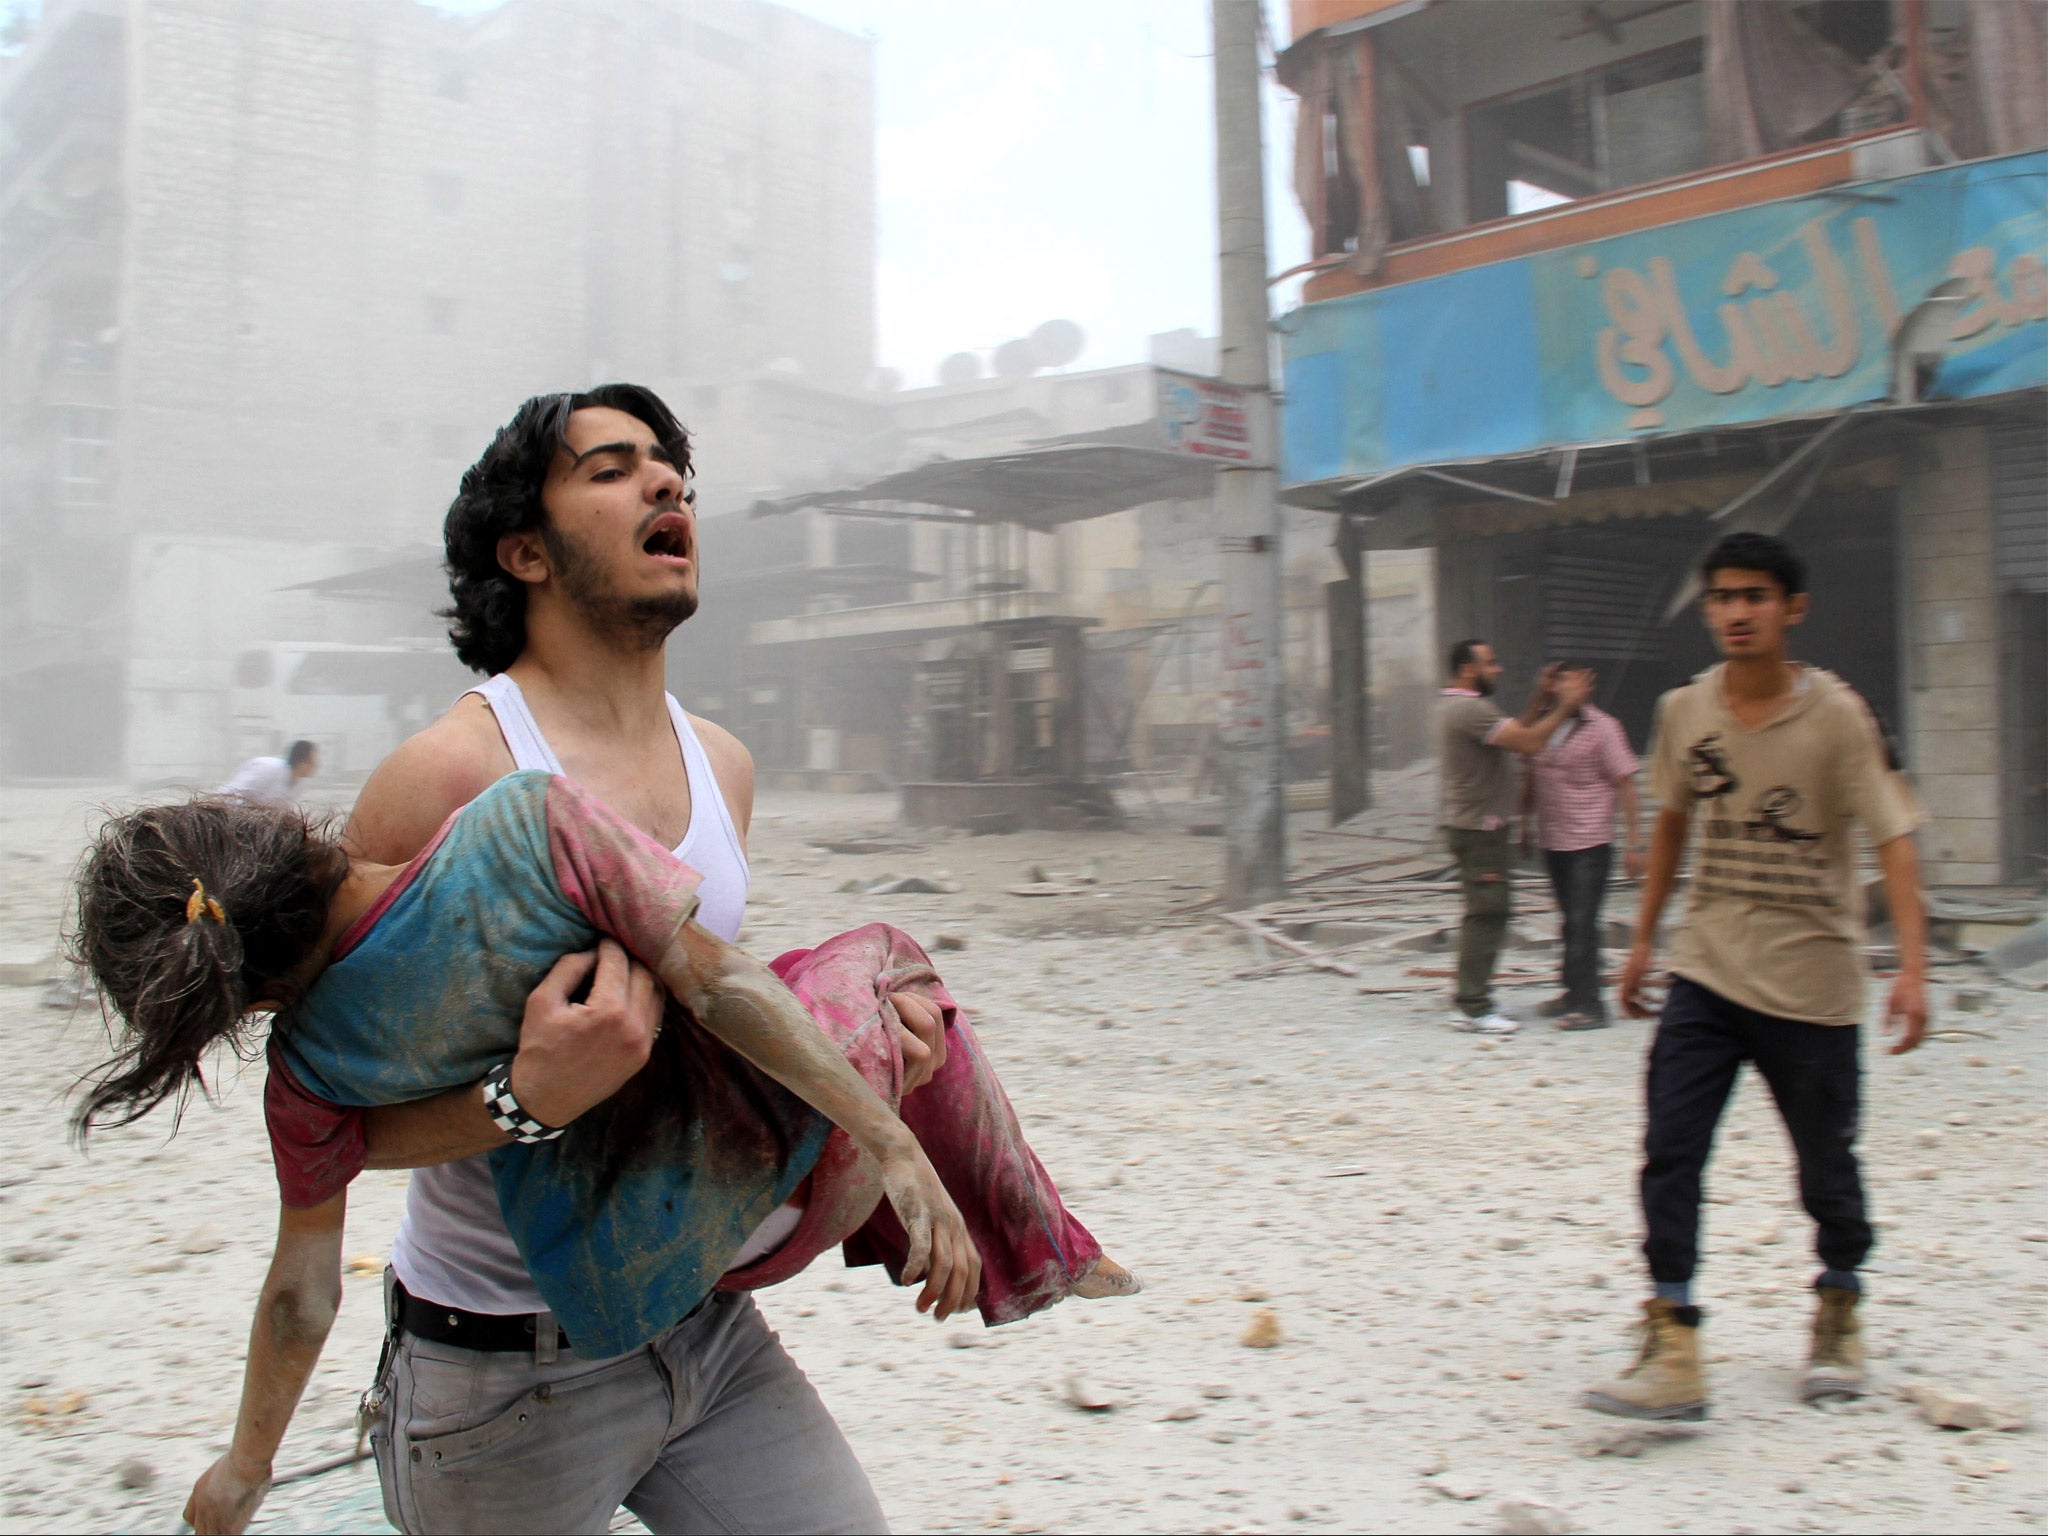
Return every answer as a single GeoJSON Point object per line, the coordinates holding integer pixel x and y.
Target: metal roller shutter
{"type": "Point", "coordinates": [2019, 506]}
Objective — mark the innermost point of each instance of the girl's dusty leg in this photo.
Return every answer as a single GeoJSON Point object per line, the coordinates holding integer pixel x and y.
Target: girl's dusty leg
{"type": "Point", "coordinates": [1034, 1250]}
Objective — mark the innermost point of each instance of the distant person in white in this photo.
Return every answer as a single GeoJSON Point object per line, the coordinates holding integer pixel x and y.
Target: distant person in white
{"type": "Point", "coordinates": [274, 780]}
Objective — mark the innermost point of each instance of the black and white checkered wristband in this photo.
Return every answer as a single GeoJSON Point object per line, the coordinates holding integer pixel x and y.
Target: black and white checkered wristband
{"type": "Point", "coordinates": [513, 1120]}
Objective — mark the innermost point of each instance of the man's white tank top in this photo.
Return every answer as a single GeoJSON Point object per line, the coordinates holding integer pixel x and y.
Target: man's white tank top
{"type": "Point", "coordinates": [452, 1246]}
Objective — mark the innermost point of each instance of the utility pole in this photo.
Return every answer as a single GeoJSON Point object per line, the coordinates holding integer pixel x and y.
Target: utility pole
{"type": "Point", "coordinates": [1252, 724]}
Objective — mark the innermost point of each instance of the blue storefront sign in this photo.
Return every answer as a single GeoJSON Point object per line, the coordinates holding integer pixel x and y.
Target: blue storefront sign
{"type": "Point", "coordinates": [1785, 309]}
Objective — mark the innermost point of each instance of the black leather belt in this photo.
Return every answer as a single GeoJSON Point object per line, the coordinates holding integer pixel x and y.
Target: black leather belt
{"type": "Point", "coordinates": [493, 1333]}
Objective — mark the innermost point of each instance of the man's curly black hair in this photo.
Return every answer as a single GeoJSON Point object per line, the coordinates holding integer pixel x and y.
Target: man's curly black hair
{"type": "Point", "coordinates": [500, 494]}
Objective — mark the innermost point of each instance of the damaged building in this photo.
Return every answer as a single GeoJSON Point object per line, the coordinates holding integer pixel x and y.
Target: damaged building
{"type": "Point", "coordinates": [1594, 284]}
{"type": "Point", "coordinates": [271, 274]}
{"type": "Point", "coordinates": [1023, 611]}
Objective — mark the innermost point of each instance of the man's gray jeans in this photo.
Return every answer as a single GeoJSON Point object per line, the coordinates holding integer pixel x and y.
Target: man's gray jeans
{"type": "Point", "coordinates": [710, 1428]}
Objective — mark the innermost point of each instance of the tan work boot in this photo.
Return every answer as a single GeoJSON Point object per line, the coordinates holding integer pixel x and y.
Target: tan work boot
{"type": "Point", "coordinates": [1665, 1381]}
{"type": "Point", "coordinates": [1834, 1360]}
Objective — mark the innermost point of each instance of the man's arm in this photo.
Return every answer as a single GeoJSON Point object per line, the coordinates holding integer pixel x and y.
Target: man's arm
{"type": "Point", "coordinates": [1633, 862]}
{"type": "Point", "coordinates": [572, 1055]}
{"type": "Point", "coordinates": [1516, 736]}
{"type": "Point", "coordinates": [1541, 697]}
{"type": "Point", "coordinates": [1906, 1011]}
{"type": "Point", "coordinates": [294, 1315]}
{"type": "Point", "coordinates": [1667, 847]}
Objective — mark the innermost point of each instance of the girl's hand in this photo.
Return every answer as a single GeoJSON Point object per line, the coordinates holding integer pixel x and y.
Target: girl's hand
{"type": "Point", "coordinates": [941, 1253]}
{"type": "Point", "coordinates": [226, 1498]}
{"type": "Point", "coordinates": [922, 1034]}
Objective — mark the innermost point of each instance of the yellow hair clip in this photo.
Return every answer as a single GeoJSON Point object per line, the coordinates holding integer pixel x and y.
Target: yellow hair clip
{"type": "Point", "coordinates": [199, 902]}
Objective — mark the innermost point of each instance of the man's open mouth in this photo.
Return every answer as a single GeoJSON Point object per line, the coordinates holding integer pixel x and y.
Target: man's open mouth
{"type": "Point", "coordinates": [669, 538]}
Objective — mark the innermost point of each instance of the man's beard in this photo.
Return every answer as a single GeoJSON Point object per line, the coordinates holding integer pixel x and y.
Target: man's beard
{"type": "Point", "coordinates": [637, 623]}
{"type": "Point", "coordinates": [1483, 686]}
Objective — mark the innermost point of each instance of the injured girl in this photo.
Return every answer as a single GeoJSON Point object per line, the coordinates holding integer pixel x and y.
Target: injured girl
{"type": "Point", "coordinates": [771, 1104]}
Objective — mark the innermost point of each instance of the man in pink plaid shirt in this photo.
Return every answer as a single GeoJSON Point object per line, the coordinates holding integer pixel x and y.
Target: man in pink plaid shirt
{"type": "Point", "coordinates": [1569, 800]}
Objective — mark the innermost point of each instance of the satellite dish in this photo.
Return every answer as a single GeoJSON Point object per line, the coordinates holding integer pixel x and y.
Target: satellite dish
{"type": "Point", "coordinates": [960, 368]}
{"type": "Point", "coordinates": [1057, 343]}
{"type": "Point", "coordinates": [1016, 360]}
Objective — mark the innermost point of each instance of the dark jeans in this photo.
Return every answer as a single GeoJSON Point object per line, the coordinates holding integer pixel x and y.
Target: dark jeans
{"type": "Point", "coordinates": [1812, 1071]}
{"type": "Point", "coordinates": [1484, 876]}
{"type": "Point", "coordinates": [1579, 877]}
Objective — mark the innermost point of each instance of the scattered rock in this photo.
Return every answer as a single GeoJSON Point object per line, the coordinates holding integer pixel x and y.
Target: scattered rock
{"type": "Point", "coordinates": [1524, 1516]}
{"type": "Point", "coordinates": [1180, 1413]}
{"type": "Point", "coordinates": [1217, 1391]}
{"type": "Point", "coordinates": [365, 1264]}
{"type": "Point", "coordinates": [1263, 1331]}
{"type": "Point", "coordinates": [1625, 1443]}
{"type": "Point", "coordinates": [1927, 1136]}
{"type": "Point", "coordinates": [1959, 1117]}
{"type": "Point", "coordinates": [1085, 1395]}
{"type": "Point", "coordinates": [205, 1239]}
{"type": "Point", "coordinates": [1510, 1244]}
{"type": "Point", "coordinates": [1947, 1408]}
{"type": "Point", "coordinates": [1770, 1232]}
{"type": "Point", "coordinates": [1462, 1489]}
{"type": "Point", "coordinates": [30, 1254]}
{"type": "Point", "coordinates": [1252, 1293]}
{"type": "Point", "coordinates": [1344, 1117]}
{"type": "Point", "coordinates": [135, 1473]}
{"type": "Point", "coordinates": [950, 941]}
{"type": "Point", "coordinates": [1791, 1485]}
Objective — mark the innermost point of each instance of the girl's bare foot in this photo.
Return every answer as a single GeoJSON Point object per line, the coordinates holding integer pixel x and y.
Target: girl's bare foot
{"type": "Point", "coordinates": [1107, 1278]}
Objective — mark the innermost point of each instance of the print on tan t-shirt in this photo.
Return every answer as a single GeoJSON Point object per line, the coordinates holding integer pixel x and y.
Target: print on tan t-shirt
{"type": "Point", "coordinates": [1775, 922]}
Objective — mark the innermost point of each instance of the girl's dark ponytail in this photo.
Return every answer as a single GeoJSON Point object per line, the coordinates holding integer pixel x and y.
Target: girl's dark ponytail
{"type": "Point", "coordinates": [188, 916]}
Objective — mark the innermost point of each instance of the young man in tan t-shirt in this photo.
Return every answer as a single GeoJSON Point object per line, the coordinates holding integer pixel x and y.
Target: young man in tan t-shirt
{"type": "Point", "coordinates": [1778, 759]}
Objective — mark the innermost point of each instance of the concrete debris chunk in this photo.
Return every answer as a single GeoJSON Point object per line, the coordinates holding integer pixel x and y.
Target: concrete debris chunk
{"type": "Point", "coordinates": [1948, 1408]}
{"type": "Point", "coordinates": [1263, 1331]}
{"type": "Point", "coordinates": [135, 1473]}
{"type": "Point", "coordinates": [204, 1239]}
{"type": "Point", "coordinates": [28, 967]}
{"type": "Point", "coordinates": [1085, 1394]}
{"type": "Point", "coordinates": [1524, 1516]}
{"type": "Point", "coordinates": [2023, 958]}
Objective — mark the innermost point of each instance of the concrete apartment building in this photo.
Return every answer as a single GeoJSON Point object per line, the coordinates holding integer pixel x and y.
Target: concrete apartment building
{"type": "Point", "coordinates": [1594, 284]}
{"type": "Point", "coordinates": [270, 274]}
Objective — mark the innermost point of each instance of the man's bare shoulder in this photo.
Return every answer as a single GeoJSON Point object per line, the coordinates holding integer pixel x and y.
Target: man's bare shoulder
{"type": "Point", "coordinates": [430, 776]}
{"type": "Point", "coordinates": [733, 766]}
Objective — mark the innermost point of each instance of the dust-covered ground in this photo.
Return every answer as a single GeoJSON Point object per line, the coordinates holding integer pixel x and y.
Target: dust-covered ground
{"type": "Point", "coordinates": [1443, 1229]}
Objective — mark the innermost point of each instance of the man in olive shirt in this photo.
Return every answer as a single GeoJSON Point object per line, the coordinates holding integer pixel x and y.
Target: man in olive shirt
{"type": "Point", "coordinates": [1480, 791]}
{"type": "Point", "coordinates": [1778, 759]}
